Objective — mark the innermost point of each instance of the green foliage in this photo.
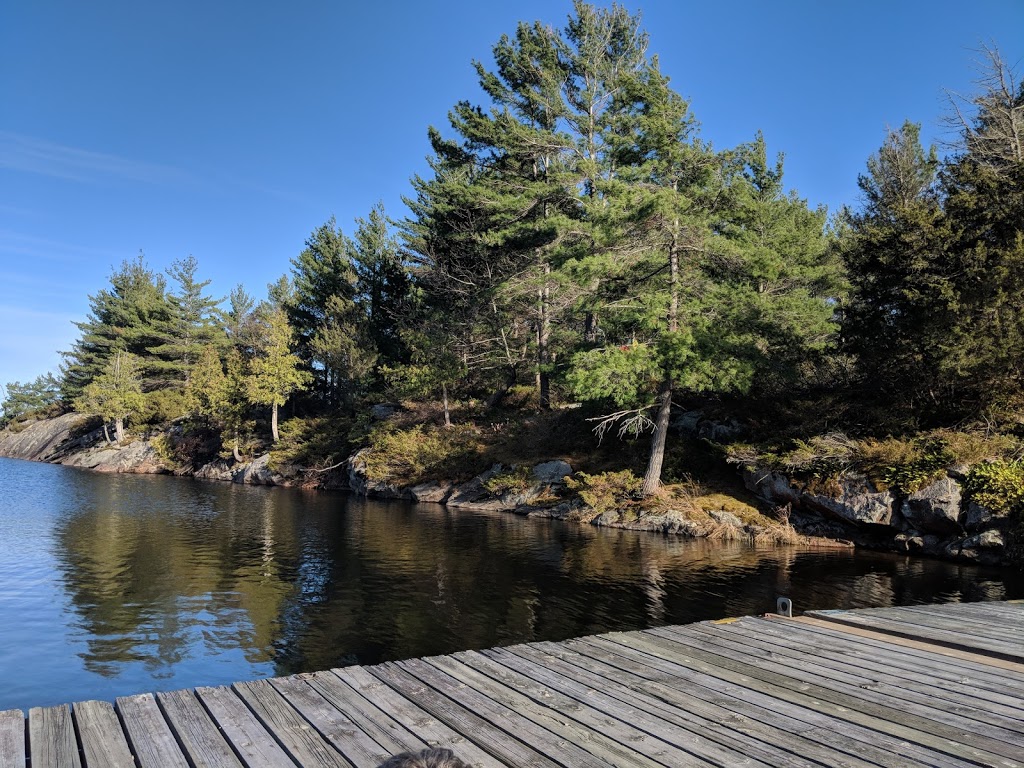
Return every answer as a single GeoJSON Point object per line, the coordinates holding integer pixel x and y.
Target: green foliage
{"type": "Point", "coordinates": [422, 453]}
{"type": "Point", "coordinates": [512, 480]}
{"type": "Point", "coordinates": [23, 399]}
{"type": "Point", "coordinates": [162, 407]}
{"type": "Point", "coordinates": [116, 393]}
{"type": "Point", "coordinates": [997, 485]}
{"type": "Point", "coordinates": [605, 491]}
{"type": "Point", "coordinates": [275, 373]}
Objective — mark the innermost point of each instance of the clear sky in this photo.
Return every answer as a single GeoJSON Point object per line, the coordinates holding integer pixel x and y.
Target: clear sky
{"type": "Point", "coordinates": [229, 130]}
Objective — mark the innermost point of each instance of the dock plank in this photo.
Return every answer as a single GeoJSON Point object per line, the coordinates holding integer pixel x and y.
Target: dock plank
{"type": "Point", "coordinates": [778, 638]}
{"type": "Point", "coordinates": [844, 740]}
{"type": "Point", "coordinates": [304, 743]}
{"type": "Point", "coordinates": [416, 719]}
{"type": "Point", "coordinates": [51, 738]}
{"type": "Point", "coordinates": [539, 711]}
{"type": "Point", "coordinates": [99, 731]}
{"type": "Point", "coordinates": [805, 695]}
{"type": "Point", "coordinates": [371, 719]}
{"type": "Point", "coordinates": [12, 739]}
{"type": "Point", "coordinates": [196, 732]}
{"type": "Point", "coordinates": [333, 724]}
{"type": "Point", "coordinates": [242, 729]}
{"type": "Point", "coordinates": [461, 719]}
{"type": "Point", "coordinates": [893, 716]}
{"type": "Point", "coordinates": [149, 734]}
{"type": "Point", "coordinates": [955, 639]}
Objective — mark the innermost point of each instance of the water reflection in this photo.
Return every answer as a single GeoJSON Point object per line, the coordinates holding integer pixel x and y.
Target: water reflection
{"type": "Point", "coordinates": [171, 583]}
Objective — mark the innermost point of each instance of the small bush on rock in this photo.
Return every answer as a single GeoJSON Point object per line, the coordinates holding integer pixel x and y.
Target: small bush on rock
{"type": "Point", "coordinates": [605, 491]}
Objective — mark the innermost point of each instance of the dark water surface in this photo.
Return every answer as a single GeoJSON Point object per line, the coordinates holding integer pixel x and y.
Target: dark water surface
{"type": "Point", "coordinates": [117, 584]}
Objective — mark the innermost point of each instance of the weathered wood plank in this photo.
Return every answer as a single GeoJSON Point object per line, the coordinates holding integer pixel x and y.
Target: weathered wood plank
{"type": "Point", "coordinates": [930, 680]}
{"type": "Point", "coordinates": [505, 718]}
{"type": "Point", "coordinates": [984, 666]}
{"type": "Point", "coordinates": [489, 738]}
{"type": "Point", "coordinates": [241, 728]}
{"type": "Point", "coordinates": [962, 623]}
{"type": "Point", "coordinates": [149, 734]}
{"type": "Point", "coordinates": [927, 716]}
{"type": "Point", "coordinates": [726, 713]}
{"type": "Point", "coordinates": [662, 752]}
{"type": "Point", "coordinates": [12, 739]}
{"type": "Point", "coordinates": [686, 715]}
{"type": "Point", "coordinates": [334, 725]}
{"type": "Point", "coordinates": [891, 716]}
{"type": "Point", "coordinates": [745, 698]}
{"type": "Point", "coordinates": [379, 725]}
{"type": "Point", "coordinates": [418, 720]}
{"type": "Point", "coordinates": [691, 747]}
{"type": "Point", "coordinates": [543, 714]}
{"type": "Point", "coordinates": [941, 660]}
{"type": "Point", "coordinates": [954, 639]}
{"type": "Point", "coordinates": [304, 743]}
{"type": "Point", "coordinates": [197, 733]}
{"type": "Point", "coordinates": [894, 689]}
{"type": "Point", "coordinates": [51, 738]}
{"type": "Point", "coordinates": [102, 739]}
{"type": "Point", "coordinates": [806, 696]}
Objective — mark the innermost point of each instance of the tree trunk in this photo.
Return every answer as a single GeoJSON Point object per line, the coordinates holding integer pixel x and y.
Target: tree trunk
{"type": "Point", "coordinates": [273, 423]}
{"type": "Point", "coordinates": [499, 394]}
{"type": "Point", "coordinates": [119, 429]}
{"type": "Point", "coordinates": [590, 328]}
{"type": "Point", "coordinates": [652, 477]}
{"type": "Point", "coordinates": [447, 413]}
{"type": "Point", "coordinates": [235, 452]}
{"type": "Point", "coordinates": [543, 338]}
{"type": "Point", "coordinates": [106, 433]}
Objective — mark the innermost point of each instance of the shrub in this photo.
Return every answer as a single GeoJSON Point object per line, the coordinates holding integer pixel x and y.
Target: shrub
{"type": "Point", "coordinates": [605, 491]}
{"type": "Point", "coordinates": [423, 453]}
{"type": "Point", "coordinates": [516, 480]}
{"type": "Point", "coordinates": [997, 485]}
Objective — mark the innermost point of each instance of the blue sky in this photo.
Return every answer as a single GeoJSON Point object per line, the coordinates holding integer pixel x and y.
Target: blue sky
{"type": "Point", "coordinates": [230, 130]}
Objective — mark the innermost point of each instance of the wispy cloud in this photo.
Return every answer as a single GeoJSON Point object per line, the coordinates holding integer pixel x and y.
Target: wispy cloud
{"type": "Point", "coordinates": [31, 155]}
{"type": "Point", "coordinates": [21, 244]}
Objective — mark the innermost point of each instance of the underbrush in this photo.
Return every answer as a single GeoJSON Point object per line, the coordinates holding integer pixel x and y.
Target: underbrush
{"type": "Point", "coordinates": [902, 465]}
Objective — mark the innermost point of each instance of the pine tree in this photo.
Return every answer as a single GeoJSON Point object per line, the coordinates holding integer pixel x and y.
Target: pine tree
{"type": "Point", "coordinates": [896, 318]}
{"type": "Point", "coordinates": [382, 289]}
{"type": "Point", "coordinates": [275, 373]}
{"type": "Point", "coordinates": [322, 308]}
{"type": "Point", "coordinates": [22, 399]}
{"type": "Point", "coordinates": [194, 321]}
{"type": "Point", "coordinates": [124, 317]}
{"type": "Point", "coordinates": [116, 393]}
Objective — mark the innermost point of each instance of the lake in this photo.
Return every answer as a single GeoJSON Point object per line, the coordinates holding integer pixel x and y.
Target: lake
{"type": "Point", "coordinates": [117, 584]}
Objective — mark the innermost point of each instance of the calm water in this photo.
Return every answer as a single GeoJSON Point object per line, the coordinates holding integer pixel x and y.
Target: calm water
{"type": "Point", "coordinates": [119, 584]}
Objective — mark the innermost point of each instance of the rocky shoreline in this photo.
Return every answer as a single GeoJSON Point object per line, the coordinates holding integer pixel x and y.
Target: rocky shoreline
{"type": "Point", "coordinates": [935, 521]}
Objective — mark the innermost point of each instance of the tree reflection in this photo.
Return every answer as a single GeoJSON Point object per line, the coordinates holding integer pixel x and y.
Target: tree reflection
{"type": "Point", "coordinates": [170, 574]}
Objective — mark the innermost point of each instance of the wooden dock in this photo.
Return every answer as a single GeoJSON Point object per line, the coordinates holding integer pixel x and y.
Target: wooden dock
{"type": "Point", "coordinates": [936, 685]}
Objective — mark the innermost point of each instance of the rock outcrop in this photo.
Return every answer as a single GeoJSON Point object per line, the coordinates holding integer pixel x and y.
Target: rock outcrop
{"type": "Point", "coordinates": [935, 520]}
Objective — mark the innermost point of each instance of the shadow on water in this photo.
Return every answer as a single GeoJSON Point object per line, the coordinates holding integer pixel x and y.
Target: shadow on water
{"type": "Point", "coordinates": [133, 583]}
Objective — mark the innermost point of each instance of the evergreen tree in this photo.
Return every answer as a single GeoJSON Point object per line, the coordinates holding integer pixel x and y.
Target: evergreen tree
{"type": "Point", "coordinates": [896, 320]}
{"type": "Point", "coordinates": [322, 308]}
{"type": "Point", "coordinates": [193, 322]}
{"type": "Point", "coordinates": [983, 185]}
{"type": "Point", "coordinates": [275, 373]}
{"type": "Point", "coordinates": [116, 393]}
{"type": "Point", "coordinates": [22, 399]}
{"type": "Point", "coordinates": [127, 316]}
{"type": "Point", "coordinates": [382, 290]}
